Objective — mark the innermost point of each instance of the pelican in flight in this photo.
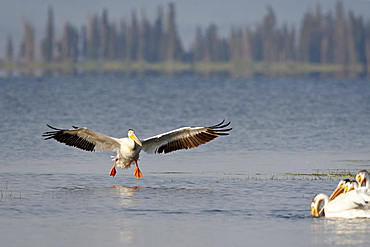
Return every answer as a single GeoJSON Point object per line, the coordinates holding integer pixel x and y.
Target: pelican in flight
{"type": "Point", "coordinates": [353, 200]}
{"type": "Point", "coordinates": [128, 148]}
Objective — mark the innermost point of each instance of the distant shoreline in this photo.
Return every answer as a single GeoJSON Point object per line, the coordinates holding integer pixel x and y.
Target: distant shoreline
{"type": "Point", "coordinates": [241, 68]}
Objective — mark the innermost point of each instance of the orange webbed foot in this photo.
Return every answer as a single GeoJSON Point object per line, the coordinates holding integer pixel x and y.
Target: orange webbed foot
{"type": "Point", "coordinates": [113, 171]}
{"type": "Point", "coordinates": [137, 173]}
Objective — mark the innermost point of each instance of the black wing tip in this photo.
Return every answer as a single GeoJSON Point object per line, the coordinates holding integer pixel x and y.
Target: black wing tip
{"type": "Point", "coordinates": [48, 136]}
{"type": "Point", "coordinates": [56, 130]}
{"type": "Point", "coordinates": [222, 134]}
{"type": "Point", "coordinates": [219, 129]}
{"type": "Point", "coordinates": [221, 125]}
{"type": "Point", "coordinates": [51, 127]}
{"type": "Point", "coordinates": [51, 134]}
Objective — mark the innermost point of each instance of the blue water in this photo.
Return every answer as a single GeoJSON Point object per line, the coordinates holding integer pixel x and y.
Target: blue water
{"type": "Point", "coordinates": [234, 191]}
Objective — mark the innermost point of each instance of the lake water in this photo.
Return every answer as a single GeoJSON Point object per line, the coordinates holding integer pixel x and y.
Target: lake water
{"type": "Point", "coordinates": [251, 188]}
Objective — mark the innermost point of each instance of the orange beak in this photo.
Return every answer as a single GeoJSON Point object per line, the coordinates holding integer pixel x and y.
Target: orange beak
{"type": "Point", "coordinates": [134, 137]}
{"type": "Point", "coordinates": [339, 190]}
{"type": "Point", "coordinates": [315, 212]}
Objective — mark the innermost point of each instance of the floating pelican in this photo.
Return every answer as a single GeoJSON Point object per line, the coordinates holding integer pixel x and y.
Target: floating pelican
{"type": "Point", "coordinates": [338, 190]}
{"type": "Point", "coordinates": [349, 199]}
{"type": "Point", "coordinates": [128, 148]}
{"type": "Point", "coordinates": [363, 179]}
{"type": "Point", "coordinates": [345, 185]}
{"type": "Point", "coordinates": [354, 204]}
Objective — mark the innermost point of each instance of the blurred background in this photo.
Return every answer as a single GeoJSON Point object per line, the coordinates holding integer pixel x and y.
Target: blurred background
{"type": "Point", "coordinates": [239, 38]}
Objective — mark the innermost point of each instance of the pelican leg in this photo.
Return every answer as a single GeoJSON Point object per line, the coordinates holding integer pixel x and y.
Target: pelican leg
{"type": "Point", "coordinates": [113, 169]}
{"type": "Point", "coordinates": [137, 172]}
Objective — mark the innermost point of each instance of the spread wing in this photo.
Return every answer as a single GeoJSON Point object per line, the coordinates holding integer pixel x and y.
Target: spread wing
{"type": "Point", "coordinates": [83, 138]}
{"type": "Point", "coordinates": [184, 138]}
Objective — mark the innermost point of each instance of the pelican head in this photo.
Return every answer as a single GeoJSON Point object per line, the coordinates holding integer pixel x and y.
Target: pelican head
{"type": "Point", "coordinates": [362, 178]}
{"type": "Point", "coordinates": [350, 185]}
{"type": "Point", "coordinates": [316, 204]}
{"type": "Point", "coordinates": [132, 136]}
{"type": "Point", "coordinates": [339, 190]}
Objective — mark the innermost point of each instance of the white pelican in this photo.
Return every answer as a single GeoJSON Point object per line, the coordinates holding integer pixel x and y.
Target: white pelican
{"type": "Point", "coordinates": [338, 190]}
{"type": "Point", "coordinates": [363, 178]}
{"type": "Point", "coordinates": [349, 200]}
{"type": "Point", "coordinates": [346, 185]}
{"type": "Point", "coordinates": [128, 148]}
{"type": "Point", "coordinates": [354, 204]}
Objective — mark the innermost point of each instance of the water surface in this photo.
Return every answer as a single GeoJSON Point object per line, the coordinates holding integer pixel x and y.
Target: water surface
{"type": "Point", "coordinates": [234, 191]}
